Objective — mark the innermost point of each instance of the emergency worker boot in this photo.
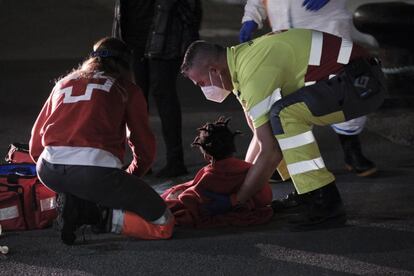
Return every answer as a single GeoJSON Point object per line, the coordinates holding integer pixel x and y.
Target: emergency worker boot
{"type": "Point", "coordinates": [291, 204]}
{"type": "Point", "coordinates": [74, 212]}
{"type": "Point", "coordinates": [322, 208]}
{"type": "Point", "coordinates": [355, 161]}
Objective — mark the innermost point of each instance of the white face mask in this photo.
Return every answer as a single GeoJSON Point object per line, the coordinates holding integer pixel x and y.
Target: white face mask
{"type": "Point", "coordinates": [215, 93]}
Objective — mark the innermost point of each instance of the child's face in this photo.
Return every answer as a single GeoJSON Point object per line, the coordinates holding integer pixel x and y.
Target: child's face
{"type": "Point", "coordinates": [200, 138]}
{"type": "Point", "coordinates": [206, 156]}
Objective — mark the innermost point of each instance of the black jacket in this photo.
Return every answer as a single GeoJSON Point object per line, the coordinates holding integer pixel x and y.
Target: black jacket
{"type": "Point", "coordinates": [164, 30]}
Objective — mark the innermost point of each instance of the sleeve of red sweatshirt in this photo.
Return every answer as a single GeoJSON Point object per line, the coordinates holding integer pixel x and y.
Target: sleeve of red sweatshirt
{"type": "Point", "coordinates": [141, 139]}
{"type": "Point", "coordinates": [35, 143]}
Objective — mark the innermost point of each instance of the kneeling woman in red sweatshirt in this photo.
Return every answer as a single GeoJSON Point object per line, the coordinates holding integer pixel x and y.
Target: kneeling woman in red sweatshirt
{"type": "Point", "coordinates": [78, 142]}
{"type": "Point", "coordinates": [223, 176]}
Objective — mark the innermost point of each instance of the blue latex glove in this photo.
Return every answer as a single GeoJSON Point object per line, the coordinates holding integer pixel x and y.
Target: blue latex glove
{"type": "Point", "coordinates": [247, 30]}
{"type": "Point", "coordinates": [314, 5]}
{"type": "Point", "coordinates": [218, 204]}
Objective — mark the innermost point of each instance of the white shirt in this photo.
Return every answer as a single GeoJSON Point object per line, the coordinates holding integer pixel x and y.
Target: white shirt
{"type": "Point", "coordinates": [333, 18]}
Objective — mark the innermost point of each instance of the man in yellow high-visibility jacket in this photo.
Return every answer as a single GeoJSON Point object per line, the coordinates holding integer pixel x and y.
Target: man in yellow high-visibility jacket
{"type": "Point", "coordinates": [287, 82]}
{"type": "Point", "coordinates": [326, 16]}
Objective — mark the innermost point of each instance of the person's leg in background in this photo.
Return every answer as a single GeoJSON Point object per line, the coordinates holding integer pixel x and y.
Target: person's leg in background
{"type": "Point", "coordinates": [163, 76]}
{"type": "Point", "coordinates": [348, 133]}
{"type": "Point", "coordinates": [142, 75]}
{"type": "Point", "coordinates": [138, 211]}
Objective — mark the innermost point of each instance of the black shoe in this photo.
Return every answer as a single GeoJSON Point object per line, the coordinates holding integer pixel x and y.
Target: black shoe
{"type": "Point", "coordinates": [355, 161]}
{"type": "Point", "coordinates": [360, 165]}
{"type": "Point", "coordinates": [291, 204]}
{"type": "Point", "coordinates": [66, 219]}
{"type": "Point", "coordinates": [172, 170]}
{"type": "Point", "coordinates": [324, 209]}
{"type": "Point", "coordinates": [74, 212]}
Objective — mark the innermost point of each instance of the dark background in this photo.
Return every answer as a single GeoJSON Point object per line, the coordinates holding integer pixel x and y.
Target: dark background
{"type": "Point", "coordinates": [41, 40]}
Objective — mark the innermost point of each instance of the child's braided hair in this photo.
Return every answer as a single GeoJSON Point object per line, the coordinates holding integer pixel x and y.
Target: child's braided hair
{"type": "Point", "coordinates": [216, 139]}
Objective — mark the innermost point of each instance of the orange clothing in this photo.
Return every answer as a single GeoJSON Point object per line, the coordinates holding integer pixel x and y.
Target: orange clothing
{"type": "Point", "coordinates": [137, 227]}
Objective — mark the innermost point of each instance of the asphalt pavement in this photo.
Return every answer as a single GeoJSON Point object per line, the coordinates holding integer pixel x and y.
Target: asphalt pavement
{"type": "Point", "coordinates": [377, 240]}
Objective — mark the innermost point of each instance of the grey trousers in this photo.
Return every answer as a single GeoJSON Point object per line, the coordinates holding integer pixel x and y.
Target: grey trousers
{"type": "Point", "coordinates": [109, 187]}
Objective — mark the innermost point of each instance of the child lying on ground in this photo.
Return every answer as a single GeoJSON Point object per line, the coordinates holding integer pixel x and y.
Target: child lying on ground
{"type": "Point", "coordinates": [223, 175]}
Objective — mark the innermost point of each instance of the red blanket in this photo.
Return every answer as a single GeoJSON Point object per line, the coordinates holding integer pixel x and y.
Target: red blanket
{"type": "Point", "coordinates": [225, 177]}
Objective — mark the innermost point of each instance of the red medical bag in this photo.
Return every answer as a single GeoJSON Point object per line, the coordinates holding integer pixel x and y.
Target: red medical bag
{"type": "Point", "coordinates": [11, 207]}
{"type": "Point", "coordinates": [25, 203]}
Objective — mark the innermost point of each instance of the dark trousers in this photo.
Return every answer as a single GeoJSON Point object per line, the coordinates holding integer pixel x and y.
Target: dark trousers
{"type": "Point", "coordinates": [158, 78]}
{"type": "Point", "coordinates": [109, 187]}
{"type": "Point", "coordinates": [356, 91]}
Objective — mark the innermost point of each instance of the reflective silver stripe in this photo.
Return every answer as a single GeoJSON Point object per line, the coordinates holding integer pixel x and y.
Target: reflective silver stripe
{"type": "Point", "coordinates": [345, 51]}
{"type": "Point", "coordinates": [264, 106]}
{"type": "Point", "coordinates": [296, 141]}
{"type": "Point", "coordinates": [309, 83]}
{"type": "Point", "coordinates": [316, 48]}
{"type": "Point", "coordinates": [48, 204]}
{"type": "Point", "coordinates": [117, 221]}
{"type": "Point", "coordinates": [9, 212]}
{"type": "Point", "coordinates": [331, 76]}
{"type": "Point", "coordinates": [306, 166]}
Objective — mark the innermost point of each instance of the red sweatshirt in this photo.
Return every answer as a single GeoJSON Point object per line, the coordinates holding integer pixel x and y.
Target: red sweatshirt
{"type": "Point", "coordinates": [84, 122]}
{"type": "Point", "coordinates": [223, 177]}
